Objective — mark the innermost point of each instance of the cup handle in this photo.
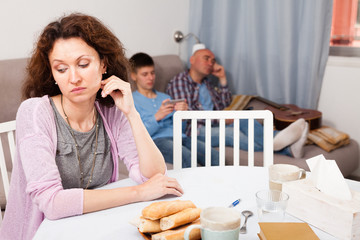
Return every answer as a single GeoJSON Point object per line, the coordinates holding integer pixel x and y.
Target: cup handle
{"type": "Point", "coordinates": [302, 173]}
{"type": "Point", "coordinates": [189, 229]}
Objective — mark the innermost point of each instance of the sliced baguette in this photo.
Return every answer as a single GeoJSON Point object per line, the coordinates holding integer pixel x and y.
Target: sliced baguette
{"type": "Point", "coordinates": [178, 233]}
{"type": "Point", "coordinates": [185, 216]}
{"type": "Point", "coordinates": [162, 209]}
{"type": "Point", "coordinates": [149, 226]}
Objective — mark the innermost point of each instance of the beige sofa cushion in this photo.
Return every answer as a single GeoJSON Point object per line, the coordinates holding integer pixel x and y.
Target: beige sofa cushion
{"type": "Point", "coordinates": [12, 75]}
{"type": "Point", "coordinates": [166, 67]}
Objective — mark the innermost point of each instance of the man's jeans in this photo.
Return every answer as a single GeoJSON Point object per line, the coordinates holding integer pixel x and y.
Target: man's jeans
{"type": "Point", "coordinates": [165, 146]}
{"type": "Point", "coordinates": [229, 138]}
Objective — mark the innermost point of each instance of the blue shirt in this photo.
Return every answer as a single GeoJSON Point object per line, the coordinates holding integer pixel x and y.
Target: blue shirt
{"type": "Point", "coordinates": [205, 97]}
{"type": "Point", "coordinates": [147, 107]}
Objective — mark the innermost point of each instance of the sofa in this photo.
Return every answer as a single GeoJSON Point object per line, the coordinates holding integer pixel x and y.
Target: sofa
{"type": "Point", "coordinates": [346, 157]}
{"type": "Point", "coordinates": [12, 74]}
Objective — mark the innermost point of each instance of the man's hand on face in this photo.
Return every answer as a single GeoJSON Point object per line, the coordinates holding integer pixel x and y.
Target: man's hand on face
{"type": "Point", "coordinates": [219, 72]}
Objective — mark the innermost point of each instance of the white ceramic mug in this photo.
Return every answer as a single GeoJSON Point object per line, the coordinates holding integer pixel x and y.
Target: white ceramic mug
{"type": "Point", "coordinates": [218, 223]}
{"type": "Point", "coordinates": [279, 173]}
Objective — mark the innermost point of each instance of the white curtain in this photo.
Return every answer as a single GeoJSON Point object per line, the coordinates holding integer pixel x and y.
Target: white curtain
{"type": "Point", "coordinates": [277, 49]}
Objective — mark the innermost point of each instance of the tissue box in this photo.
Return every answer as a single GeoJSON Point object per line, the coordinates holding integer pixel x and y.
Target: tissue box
{"type": "Point", "coordinates": [340, 218]}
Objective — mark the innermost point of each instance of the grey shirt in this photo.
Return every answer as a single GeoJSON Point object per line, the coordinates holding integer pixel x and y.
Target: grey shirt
{"type": "Point", "coordinates": [66, 158]}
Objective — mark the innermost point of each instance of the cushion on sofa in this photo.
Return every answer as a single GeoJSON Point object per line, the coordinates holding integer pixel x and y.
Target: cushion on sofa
{"type": "Point", "coordinates": [12, 75]}
{"type": "Point", "coordinates": [166, 67]}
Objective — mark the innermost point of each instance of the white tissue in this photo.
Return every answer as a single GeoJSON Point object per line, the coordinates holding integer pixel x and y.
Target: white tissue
{"type": "Point", "coordinates": [327, 177]}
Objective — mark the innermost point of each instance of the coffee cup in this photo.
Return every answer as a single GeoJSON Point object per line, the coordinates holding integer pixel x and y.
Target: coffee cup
{"type": "Point", "coordinates": [280, 173]}
{"type": "Point", "coordinates": [217, 223]}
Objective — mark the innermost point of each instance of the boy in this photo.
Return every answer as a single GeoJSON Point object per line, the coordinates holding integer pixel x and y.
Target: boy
{"type": "Point", "coordinates": [156, 111]}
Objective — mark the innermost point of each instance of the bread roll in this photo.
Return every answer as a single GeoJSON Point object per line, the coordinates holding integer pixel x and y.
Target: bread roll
{"type": "Point", "coordinates": [178, 233]}
{"type": "Point", "coordinates": [183, 217]}
{"type": "Point", "coordinates": [162, 209]}
{"type": "Point", "coordinates": [149, 226]}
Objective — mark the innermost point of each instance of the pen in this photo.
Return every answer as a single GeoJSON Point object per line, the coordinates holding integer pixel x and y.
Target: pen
{"type": "Point", "coordinates": [236, 202]}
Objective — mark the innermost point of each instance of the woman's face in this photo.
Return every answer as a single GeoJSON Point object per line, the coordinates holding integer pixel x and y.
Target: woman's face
{"type": "Point", "coordinates": [77, 69]}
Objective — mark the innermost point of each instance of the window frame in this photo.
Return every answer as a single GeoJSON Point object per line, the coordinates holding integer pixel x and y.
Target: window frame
{"type": "Point", "coordinates": [344, 51]}
{"type": "Point", "coordinates": [348, 50]}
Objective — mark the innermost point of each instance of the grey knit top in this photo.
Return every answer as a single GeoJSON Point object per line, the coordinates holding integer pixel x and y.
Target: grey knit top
{"type": "Point", "coordinates": [66, 158]}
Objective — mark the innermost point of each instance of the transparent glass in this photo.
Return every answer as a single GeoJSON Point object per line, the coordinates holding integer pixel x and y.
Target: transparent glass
{"type": "Point", "coordinates": [271, 205]}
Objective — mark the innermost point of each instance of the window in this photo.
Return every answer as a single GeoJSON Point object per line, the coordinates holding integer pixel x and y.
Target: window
{"type": "Point", "coordinates": [345, 28]}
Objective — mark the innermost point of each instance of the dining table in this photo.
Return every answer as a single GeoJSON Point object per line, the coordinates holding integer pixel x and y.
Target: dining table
{"type": "Point", "coordinates": [204, 186]}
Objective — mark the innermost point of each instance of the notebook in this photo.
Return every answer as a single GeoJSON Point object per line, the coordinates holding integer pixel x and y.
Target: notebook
{"type": "Point", "coordinates": [286, 231]}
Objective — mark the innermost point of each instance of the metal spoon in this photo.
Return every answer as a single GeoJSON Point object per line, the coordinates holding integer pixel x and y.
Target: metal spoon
{"type": "Point", "coordinates": [246, 214]}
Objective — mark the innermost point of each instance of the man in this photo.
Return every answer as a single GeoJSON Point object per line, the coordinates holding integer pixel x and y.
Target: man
{"type": "Point", "coordinates": [201, 94]}
{"type": "Point", "coordinates": [156, 111]}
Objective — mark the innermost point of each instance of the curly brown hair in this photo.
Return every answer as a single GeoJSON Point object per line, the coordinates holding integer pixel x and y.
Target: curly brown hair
{"type": "Point", "coordinates": [40, 81]}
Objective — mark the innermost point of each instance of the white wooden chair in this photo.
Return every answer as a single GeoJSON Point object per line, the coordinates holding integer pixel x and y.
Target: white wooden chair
{"type": "Point", "coordinates": [252, 115]}
{"type": "Point", "coordinates": [7, 129]}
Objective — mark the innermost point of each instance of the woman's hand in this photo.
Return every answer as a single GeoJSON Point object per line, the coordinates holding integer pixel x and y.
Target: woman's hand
{"type": "Point", "coordinates": [159, 185]}
{"type": "Point", "coordinates": [120, 91]}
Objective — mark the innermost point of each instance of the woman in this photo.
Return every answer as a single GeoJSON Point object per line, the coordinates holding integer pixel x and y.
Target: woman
{"type": "Point", "coordinates": [78, 119]}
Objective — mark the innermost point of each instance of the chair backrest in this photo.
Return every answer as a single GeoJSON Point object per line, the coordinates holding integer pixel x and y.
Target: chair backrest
{"type": "Point", "coordinates": [8, 129]}
{"type": "Point", "coordinates": [208, 116]}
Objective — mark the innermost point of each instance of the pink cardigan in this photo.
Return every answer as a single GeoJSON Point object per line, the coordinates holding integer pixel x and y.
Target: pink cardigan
{"type": "Point", "coordinates": [35, 188]}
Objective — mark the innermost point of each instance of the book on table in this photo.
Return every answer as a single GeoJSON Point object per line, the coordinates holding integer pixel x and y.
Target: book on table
{"type": "Point", "coordinates": [285, 231]}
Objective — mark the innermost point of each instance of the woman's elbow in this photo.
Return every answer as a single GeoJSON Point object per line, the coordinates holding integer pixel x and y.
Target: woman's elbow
{"type": "Point", "coordinates": [52, 213]}
{"type": "Point", "coordinates": [63, 204]}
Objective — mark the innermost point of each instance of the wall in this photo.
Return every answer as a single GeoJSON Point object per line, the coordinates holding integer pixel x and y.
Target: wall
{"type": "Point", "coordinates": [141, 25]}
{"type": "Point", "coordinates": [340, 98]}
